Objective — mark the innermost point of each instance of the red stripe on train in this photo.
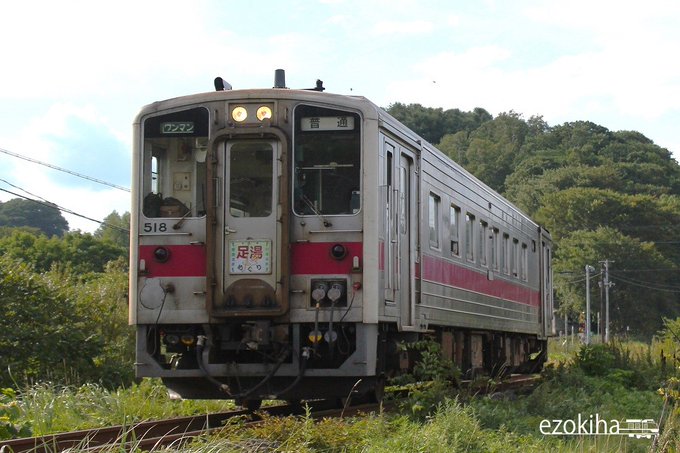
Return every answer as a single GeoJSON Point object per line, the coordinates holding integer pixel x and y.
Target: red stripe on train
{"type": "Point", "coordinates": [184, 261]}
{"type": "Point", "coordinates": [447, 273]}
{"type": "Point", "coordinates": [315, 258]}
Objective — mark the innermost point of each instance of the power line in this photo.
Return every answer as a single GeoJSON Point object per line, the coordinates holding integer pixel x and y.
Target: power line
{"type": "Point", "coordinates": [55, 206]}
{"type": "Point", "coordinates": [660, 269]}
{"type": "Point", "coordinates": [582, 279]}
{"type": "Point", "coordinates": [642, 282]}
{"type": "Point", "coordinates": [655, 288]}
{"type": "Point", "coordinates": [54, 167]}
{"type": "Point", "coordinates": [24, 190]}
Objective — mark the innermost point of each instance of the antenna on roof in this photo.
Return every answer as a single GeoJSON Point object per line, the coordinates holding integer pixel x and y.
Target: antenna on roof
{"type": "Point", "coordinates": [221, 84]}
{"type": "Point", "coordinates": [279, 78]}
{"type": "Point", "coordinates": [319, 86]}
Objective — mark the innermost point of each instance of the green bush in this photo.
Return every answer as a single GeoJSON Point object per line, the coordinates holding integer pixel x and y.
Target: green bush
{"type": "Point", "coordinates": [594, 359]}
{"type": "Point", "coordinates": [11, 425]}
{"type": "Point", "coordinates": [42, 332]}
{"type": "Point", "coordinates": [57, 327]}
{"type": "Point", "coordinates": [431, 366]}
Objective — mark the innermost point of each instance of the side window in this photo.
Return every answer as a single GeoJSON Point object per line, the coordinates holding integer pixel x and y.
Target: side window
{"type": "Point", "coordinates": [433, 219]}
{"type": "Point", "coordinates": [524, 262]}
{"type": "Point", "coordinates": [174, 180]}
{"type": "Point", "coordinates": [454, 221]}
{"type": "Point", "coordinates": [515, 257]}
{"type": "Point", "coordinates": [505, 252]}
{"type": "Point", "coordinates": [494, 246]}
{"type": "Point", "coordinates": [469, 236]}
{"type": "Point", "coordinates": [483, 242]}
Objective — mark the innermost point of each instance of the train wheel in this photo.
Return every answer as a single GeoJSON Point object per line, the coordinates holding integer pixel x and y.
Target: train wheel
{"type": "Point", "coordinates": [251, 405]}
{"type": "Point", "coordinates": [295, 405]}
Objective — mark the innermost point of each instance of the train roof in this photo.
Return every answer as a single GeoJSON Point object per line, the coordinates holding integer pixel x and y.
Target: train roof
{"type": "Point", "coordinates": [369, 110]}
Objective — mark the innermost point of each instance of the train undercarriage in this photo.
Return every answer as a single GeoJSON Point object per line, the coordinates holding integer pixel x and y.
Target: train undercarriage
{"type": "Point", "coordinates": [260, 360]}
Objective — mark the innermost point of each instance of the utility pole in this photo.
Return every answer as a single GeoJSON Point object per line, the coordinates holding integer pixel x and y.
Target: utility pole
{"type": "Point", "coordinates": [606, 283]}
{"type": "Point", "coordinates": [589, 269]}
{"type": "Point", "coordinates": [600, 284]}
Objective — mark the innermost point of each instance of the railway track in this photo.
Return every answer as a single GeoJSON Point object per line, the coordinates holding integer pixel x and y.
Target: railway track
{"type": "Point", "coordinates": [151, 435]}
{"type": "Point", "coordinates": [143, 435]}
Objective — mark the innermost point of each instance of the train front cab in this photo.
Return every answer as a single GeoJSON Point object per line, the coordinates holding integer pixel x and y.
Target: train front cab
{"type": "Point", "coordinates": [250, 275]}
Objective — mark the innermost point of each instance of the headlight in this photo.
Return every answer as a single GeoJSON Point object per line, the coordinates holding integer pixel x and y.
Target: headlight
{"type": "Point", "coordinates": [239, 114]}
{"type": "Point", "coordinates": [264, 113]}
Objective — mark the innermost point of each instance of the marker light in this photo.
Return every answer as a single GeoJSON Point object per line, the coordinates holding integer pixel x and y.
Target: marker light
{"type": "Point", "coordinates": [161, 254]}
{"type": "Point", "coordinates": [338, 251]}
{"type": "Point", "coordinates": [187, 340]}
{"type": "Point", "coordinates": [315, 336]}
{"type": "Point", "coordinates": [239, 114]}
{"type": "Point", "coordinates": [264, 113]}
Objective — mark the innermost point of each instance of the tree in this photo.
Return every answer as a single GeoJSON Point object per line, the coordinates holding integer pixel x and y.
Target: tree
{"type": "Point", "coordinates": [55, 326]}
{"type": "Point", "coordinates": [103, 301]}
{"type": "Point", "coordinates": [79, 252]}
{"type": "Point", "coordinates": [494, 148]}
{"type": "Point", "coordinates": [42, 333]}
{"type": "Point", "coordinates": [533, 180]}
{"type": "Point", "coordinates": [44, 216]}
{"type": "Point", "coordinates": [433, 123]}
{"type": "Point", "coordinates": [645, 289]}
{"type": "Point", "coordinates": [115, 229]}
{"type": "Point", "coordinates": [455, 145]}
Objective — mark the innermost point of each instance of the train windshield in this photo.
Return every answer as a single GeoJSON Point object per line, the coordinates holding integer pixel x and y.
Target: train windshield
{"type": "Point", "coordinates": [174, 171]}
{"type": "Point", "coordinates": [327, 161]}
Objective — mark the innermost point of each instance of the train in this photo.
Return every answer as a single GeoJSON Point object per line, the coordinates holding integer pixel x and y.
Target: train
{"type": "Point", "coordinates": [287, 243]}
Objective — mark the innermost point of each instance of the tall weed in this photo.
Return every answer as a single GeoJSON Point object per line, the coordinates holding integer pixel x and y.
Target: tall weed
{"type": "Point", "coordinates": [49, 408]}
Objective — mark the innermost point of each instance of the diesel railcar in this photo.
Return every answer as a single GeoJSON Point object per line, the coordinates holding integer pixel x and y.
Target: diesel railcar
{"type": "Point", "coordinates": [284, 242]}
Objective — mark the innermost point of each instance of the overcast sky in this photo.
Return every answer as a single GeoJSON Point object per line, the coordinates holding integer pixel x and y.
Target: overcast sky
{"type": "Point", "coordinates": [74, 74]}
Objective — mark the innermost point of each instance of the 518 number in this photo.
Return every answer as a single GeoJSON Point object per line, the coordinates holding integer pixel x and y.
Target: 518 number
{"type": "Point", "coordinates": [152, 227]}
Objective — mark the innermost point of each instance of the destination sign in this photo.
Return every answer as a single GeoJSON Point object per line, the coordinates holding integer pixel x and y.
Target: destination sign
{"type": "Point", "coordinates": [327, 123]}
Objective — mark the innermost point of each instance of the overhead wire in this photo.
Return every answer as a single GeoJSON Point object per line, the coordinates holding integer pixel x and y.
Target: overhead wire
{"type": "Point", "coordinates": [24, 190]}
{"type": "Point", "coordinates": [71, 172]}
{"type": "Point", "coordinates": [632, 281]}
{"type": "Point", "coordinates": [583, 279]}
{"type": "Point", "coordinates": [647, 286]}
{"type": "Point", "coordinates": [51, 205]}
{"type": "Point", "coordinates": [644, 282]}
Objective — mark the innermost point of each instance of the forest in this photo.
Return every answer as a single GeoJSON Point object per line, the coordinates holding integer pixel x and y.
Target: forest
{"type": "Point", "coordinates": [603, 195]}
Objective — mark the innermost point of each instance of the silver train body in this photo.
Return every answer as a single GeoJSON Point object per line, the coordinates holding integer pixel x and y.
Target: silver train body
{"type": "Point", "coordinates": [285, 242]}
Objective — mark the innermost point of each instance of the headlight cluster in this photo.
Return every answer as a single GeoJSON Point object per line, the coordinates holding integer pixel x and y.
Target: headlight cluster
{"type": "Point", "coordinates": [329, 292]}
{"type": "Point", "coordinates": [241, 113]}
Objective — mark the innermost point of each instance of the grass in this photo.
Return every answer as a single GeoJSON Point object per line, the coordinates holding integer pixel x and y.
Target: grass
{"type": "Point", "coordinates": [50, 409]}
{"type": "Point", "coordinates": [617, 383]}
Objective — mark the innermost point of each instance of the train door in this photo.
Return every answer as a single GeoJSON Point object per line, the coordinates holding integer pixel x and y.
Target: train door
{"type": "Point", "coordinates": [405, 243]}
{"type": "Point", "coordinates": [251, 231]}
{"type": "Point", "coordinates": [400, 231]}
{"type": "Point", "coordinates": [390, 224]}
{"type": "Point", "coordinates": [405, 239]}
